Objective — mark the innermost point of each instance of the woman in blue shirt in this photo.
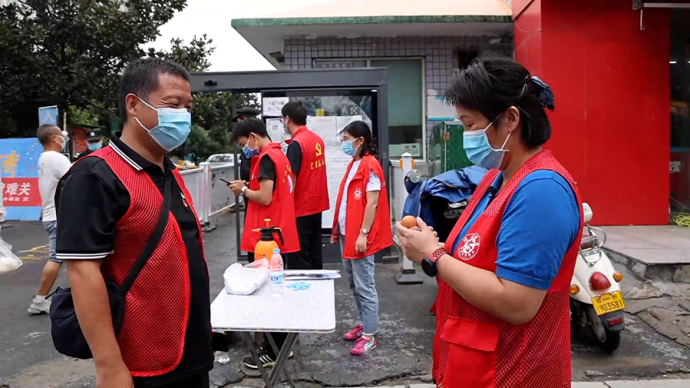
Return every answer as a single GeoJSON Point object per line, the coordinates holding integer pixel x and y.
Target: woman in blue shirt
{"type": "Point", "coordinates": [505, 271]}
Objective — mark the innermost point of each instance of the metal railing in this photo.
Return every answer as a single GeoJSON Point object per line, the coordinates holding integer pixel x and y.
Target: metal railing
{"type": "Point", "coordinates": [209, 193]}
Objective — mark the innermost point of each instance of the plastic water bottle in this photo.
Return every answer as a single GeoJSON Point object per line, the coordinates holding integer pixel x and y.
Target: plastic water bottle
{"type": "Point", "coordinates": [277, 273]}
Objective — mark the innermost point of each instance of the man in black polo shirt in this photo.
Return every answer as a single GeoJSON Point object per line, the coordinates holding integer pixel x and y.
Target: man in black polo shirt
{"type": "Point", "coordinates": [111, 194]}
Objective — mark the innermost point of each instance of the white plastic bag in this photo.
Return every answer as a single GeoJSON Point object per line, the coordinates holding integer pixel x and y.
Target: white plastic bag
{"type": "Point", "coordinates": [8, 261]}
{"type": "Point", "coordinates": [246, 280]}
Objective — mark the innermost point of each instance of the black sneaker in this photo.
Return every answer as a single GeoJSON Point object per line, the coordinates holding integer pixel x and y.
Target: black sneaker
{"type": "Point", "coordinates": [266, 360]}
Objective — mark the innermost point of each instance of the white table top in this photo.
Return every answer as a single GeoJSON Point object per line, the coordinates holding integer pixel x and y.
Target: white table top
{"type": "Point", "coordinates": [308, 311]}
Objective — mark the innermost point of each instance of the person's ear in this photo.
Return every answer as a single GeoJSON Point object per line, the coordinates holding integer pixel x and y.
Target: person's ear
{"type": "Point", "coordinates": [131, 102]}
{"type": "Point", "coordinates": [511, 118]}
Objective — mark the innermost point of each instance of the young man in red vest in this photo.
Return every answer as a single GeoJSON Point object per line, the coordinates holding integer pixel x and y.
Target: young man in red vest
{"type": "Point", "coordinates": [306, 154]}
{"type": "Point", "coordinates": [269, 194]}
{"type": "Point", "coordinates": [108, 205]}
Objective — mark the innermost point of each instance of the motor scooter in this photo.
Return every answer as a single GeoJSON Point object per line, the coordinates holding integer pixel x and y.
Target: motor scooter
{"type": "Point", "coordinates": [596, 300]}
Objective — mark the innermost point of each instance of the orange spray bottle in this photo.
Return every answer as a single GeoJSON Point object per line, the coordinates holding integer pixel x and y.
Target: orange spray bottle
{"type": "Point", "coordinates": [264, 248]}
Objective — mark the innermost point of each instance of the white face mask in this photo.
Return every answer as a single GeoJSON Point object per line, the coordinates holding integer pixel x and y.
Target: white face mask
{"type": "Point", "coordinates": [285, 125]}
{"type": "Point", "coordinates": [62, 142]}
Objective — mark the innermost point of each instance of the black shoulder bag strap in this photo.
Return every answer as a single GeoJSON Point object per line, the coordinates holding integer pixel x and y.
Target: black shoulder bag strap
{"type": "Point", "coordinates": [155, 236]}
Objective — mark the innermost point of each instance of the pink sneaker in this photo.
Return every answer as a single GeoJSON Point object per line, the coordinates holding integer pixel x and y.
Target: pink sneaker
{"type": "Point", "coordinates": [363, 345]}
{"type": "Point", "coordinates": [354, 333]}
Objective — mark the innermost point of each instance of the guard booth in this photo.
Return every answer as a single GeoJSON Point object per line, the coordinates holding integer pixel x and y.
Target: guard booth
{"type": "Point", "coordinates": [333, 97]}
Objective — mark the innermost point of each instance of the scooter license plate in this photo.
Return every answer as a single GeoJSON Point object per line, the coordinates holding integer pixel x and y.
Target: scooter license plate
{"type": "Point", "coordinates": [608, 303]}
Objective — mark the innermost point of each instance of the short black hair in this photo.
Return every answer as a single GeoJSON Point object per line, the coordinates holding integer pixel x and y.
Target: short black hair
{"type": "Point", "coordinates": [296, 111]}
{"type": "Point", "coordinates": [249, 126]}
{"type": "Point", "coordinates": [491, 84]}
{"type": "Point", "coordinates": [45, 134]}
{"type": "Point", "coordinates": [141, 78]}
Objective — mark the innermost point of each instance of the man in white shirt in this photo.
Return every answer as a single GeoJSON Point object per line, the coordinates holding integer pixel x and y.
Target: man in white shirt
{"type": "Point", "coordinates": [52, 165]}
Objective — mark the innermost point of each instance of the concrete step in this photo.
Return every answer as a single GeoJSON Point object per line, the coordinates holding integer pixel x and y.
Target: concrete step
{"type": "Point", "coordinates": [671, 272]}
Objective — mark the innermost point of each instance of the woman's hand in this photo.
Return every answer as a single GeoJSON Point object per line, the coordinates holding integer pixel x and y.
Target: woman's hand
{"type": "Point", "coordinates": [361, 244]}
{"type": "Point", "coordinates": [335, 238]}
{"type": "Point", "coordinates": [418, 243]}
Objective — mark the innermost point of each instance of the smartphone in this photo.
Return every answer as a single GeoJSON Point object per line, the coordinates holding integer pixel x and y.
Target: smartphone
{"type": "Point", "coordinates": [225, 181]}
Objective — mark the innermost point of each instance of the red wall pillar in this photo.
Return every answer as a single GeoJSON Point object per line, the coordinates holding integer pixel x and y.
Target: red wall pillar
{"type": "Point", "coordinates": [611, 81]}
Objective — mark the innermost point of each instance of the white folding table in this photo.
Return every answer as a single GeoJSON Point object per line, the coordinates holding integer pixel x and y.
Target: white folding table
{"type": "Point", "coordinates": [307, 311]}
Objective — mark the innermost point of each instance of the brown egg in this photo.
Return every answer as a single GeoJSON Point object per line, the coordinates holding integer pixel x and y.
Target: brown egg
{"type": "Point", "coordinates": [409, 222]}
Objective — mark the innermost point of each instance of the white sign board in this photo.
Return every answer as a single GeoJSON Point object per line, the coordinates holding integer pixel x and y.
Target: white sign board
{"type": "Point", "coordinates": [414, 149]}
{"type": "Point", "coordinates": [438, 110]}
{"type": "Point", "coordinates": [277, 133]}
{"type": "Point", "coordinates": [272, 106]}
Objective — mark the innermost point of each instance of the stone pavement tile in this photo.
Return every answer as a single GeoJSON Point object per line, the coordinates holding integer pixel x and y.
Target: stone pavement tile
{"type": "Point", "coordinates": [649, 384]}
{"type": "Point", "coordinates": [588, 385]}
{"type": "Point", "coordinates": [422, 386]}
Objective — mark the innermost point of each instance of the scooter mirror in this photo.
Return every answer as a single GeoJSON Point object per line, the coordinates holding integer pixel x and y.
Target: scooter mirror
{"type": "Point", "coordinates": [413, 176]}
{"type": "Point", "coordinates": [587, 212]}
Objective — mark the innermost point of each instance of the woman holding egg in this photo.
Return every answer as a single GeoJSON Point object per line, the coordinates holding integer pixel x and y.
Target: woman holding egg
{"type": "Point", "coordinates": [362, 227]}
{"type": "Point", "coordinates": [504, 273]}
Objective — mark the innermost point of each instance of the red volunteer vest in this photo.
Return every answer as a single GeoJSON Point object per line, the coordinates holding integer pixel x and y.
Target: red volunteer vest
{"type": "Point", "coordinates": [381, 235]}
{"type": "Point", "coordinates": [474, 349]}
{"type": "Point", "coordinates": [311, 191]}
{"type": "Point", "coordinates": [281, 211]}
{"type": "Point", "coordinates": [152, 336]}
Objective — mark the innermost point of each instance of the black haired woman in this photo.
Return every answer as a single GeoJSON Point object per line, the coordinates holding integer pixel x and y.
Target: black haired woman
{"type": "Point", "coordinates": [505, 271]}
{"type": "Point", "coordinates": [362, 227]}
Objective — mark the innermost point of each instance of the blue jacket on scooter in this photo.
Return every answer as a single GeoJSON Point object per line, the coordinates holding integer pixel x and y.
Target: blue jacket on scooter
{"type": "Point", "coordinates": [454, 186]}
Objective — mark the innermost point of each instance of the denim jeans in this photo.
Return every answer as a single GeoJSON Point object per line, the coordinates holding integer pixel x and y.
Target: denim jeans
{"type": "Point", "coordinates": [51, 228]}
{"type": "Point", "coordinates": [360, 275]}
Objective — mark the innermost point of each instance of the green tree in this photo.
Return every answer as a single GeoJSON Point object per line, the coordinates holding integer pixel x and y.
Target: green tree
{"type": "Point", "coordinates": [212, 112]}
{"type": "Point", "coordinates": [71, 53]}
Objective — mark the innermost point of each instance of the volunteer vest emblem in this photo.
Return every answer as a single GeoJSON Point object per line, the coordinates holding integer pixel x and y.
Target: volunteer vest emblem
{"type": "Point", "coordinates": [358, 194]}
{"type": "Point", "coordinates": [469, 247]}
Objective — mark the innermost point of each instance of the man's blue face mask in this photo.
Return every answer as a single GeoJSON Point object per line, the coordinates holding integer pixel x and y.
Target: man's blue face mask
{"type": "Point", "coordinates": [95, 146]}
{"type": "Point", "coordinates": [173, 126]}
{"type": "Point", "coordinates": [250, 152]}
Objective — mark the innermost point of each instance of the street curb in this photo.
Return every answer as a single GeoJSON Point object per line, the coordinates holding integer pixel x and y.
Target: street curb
{"type": "Point", "coordinates": [677, 383]}
{"type": "Point", "coordinates": [634, 384]}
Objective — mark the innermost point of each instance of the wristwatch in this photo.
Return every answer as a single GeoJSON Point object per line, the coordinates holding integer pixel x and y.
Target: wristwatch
{"type": "Point", "coordinates": [429, 265]}
{"type": "Point", "coordinates": [244, 188]}
{"type": "Point", "coordinates": [365, 231]}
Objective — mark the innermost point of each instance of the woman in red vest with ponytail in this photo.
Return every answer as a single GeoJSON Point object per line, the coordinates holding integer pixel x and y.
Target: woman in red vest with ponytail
{"type": "Point", "coordinates": [362, 227]}
{"type": "Point", "coordinates": [504, 273]}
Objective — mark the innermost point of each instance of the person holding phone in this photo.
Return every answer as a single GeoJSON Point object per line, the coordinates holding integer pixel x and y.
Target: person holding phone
{"type": "Point", "coordinates": [269, 194]}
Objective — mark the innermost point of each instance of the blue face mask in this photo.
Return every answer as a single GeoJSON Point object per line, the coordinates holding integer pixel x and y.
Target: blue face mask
{"type": "Point", "coordinates": [250, 152]}
{"type": "Point", "coordinates": [480, 152]}
{"type": "Point", "coordinates": [94, 146]}
{"type": "Point", "coordinates": [349, 148]}
{"type": "Point", "coordinates": [173, 127]}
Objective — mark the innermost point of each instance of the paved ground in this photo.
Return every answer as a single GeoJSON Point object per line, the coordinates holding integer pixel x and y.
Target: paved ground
{"type": "Point", "coordinates": [27, 358]}
{"type": "Point", "coordinates": [667, 244]}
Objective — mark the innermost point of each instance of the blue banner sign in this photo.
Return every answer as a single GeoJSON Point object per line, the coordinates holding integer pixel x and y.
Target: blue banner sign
{"type": "Point", "coordinates": [19, 178]}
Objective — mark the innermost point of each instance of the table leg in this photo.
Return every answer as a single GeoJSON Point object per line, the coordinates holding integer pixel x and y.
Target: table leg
{"type": "Point", "coordinates": [282, 357]}
{"type": "Point", "coordinates": [275, 373]}
{"type": "Point", "coordinates": [254, 350]}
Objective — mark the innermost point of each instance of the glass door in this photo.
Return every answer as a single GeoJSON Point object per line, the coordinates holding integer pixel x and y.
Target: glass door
{"type": "Point", "coordinates": [680, 118]}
